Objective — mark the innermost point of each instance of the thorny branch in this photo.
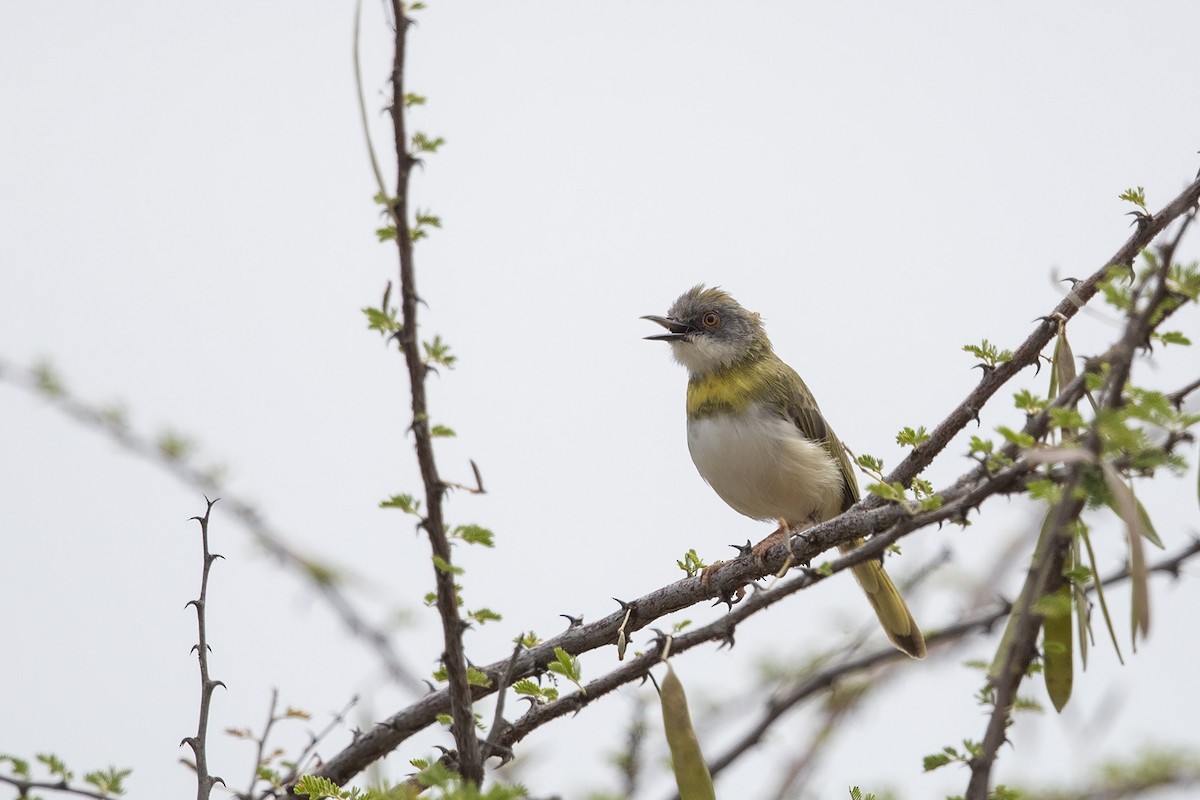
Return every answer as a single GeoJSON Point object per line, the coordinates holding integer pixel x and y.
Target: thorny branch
{"type": "Point", "coordinates": [199, 742]}
{"type": "Point", "coordinates": [470, 761]}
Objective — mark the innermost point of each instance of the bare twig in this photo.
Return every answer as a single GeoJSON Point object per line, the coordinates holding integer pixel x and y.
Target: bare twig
{"type": "Point", "coordinates": [199, 742]}
{"type": "Point", "coordinates": [261, 745]}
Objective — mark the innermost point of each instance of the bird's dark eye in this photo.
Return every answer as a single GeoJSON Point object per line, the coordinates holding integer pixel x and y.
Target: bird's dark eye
{"type": "Point", "coordinates": [711, 319]}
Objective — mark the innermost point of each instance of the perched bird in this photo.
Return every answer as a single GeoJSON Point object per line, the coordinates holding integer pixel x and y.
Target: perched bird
{"type": "Point", "coordinates": [757, 437]}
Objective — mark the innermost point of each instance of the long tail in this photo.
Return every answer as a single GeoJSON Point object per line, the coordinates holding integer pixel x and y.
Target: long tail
{"type": "Point", "coordinates": [897, 620]}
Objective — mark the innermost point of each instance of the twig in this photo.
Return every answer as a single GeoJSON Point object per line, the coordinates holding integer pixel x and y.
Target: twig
{"type": "Point", "coordinates": [199, 742]}
{"type": "Point", "coordinates": [262, 743]}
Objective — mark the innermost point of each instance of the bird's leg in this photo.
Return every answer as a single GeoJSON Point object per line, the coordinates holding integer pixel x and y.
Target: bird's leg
{"type": "Point", "coordinates": [729, 596]}
{"type": "Point", "coordinates": [783, 532]}
{"type": "Point", "coordinates": [761, 549]}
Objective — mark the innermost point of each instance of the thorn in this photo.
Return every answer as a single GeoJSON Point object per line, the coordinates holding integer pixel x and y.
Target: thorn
{"type": "Point", "coordinates": [1140, 218]}
{"type": "Point", "coordinates": [726, 640]}
{"type": "Point", "coordinates": [575, 621]}
{"type": "Point", "coordinates": [478, 477]}
{"type": "Point", "coordinates": [743, 549]}
{"type": "Point", "coordinates": [622, 603]}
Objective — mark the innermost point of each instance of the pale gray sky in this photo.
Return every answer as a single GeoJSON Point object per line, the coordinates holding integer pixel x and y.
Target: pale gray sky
{"type": "Point", "coordinates": [186, 225]}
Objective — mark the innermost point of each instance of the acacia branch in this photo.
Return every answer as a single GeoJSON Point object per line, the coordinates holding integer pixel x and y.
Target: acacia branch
{"type": "Point", "coordinates": [469, 758]}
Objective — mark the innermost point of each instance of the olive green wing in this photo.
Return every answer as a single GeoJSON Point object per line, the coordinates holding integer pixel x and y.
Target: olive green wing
{"type": "Point", "coordinates": [807, 416]}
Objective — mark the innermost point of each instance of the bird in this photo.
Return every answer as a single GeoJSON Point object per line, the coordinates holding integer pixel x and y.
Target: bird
{"type": "Point", "coordinates": [759, 440]}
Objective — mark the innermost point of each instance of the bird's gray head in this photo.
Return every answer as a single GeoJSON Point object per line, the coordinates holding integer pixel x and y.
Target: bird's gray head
{"type": "Point", "coordinates": [708, 330]}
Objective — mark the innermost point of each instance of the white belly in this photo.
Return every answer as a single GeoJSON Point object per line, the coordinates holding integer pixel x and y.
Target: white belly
{"type": "Point", "coordinates": [761, 466]}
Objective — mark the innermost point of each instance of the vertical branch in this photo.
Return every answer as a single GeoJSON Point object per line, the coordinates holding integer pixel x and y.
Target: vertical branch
{"type": "Point", "coordinates": [198, 743]}
{"type": "Point", "coordinates": [1045, 576]}
{"type": "Point", "coordinates": [470, 761]}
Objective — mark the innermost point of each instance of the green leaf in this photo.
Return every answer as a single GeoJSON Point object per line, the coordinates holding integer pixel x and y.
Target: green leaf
{"type": "Point", "coordinates": [691, 563]}
{"type": "Point", "coordinates": [870, 463]}
{"type": "Point", "coordinates": [442, 565]}
{"type": "Point", "coordinates": [382, 320]}
{"type": "Point", "coordinates": [438, 352]}
{"type": "Point", "coordinates": [386, 233]}
{"type": "Point", "coordinates": [405, 502]}
{"type": "Point", "coordinates": [317, 788]}
{"type": "Point", "coordinates": [691, 772]}
{"type": "Point", "coordinates": [20, 767]}
{"type": "Point", "coordinates": [1135, 196]}
{"type": "Point", "coordinates": [1019, 438]}
{"type": "Point", "coordinates": [528, 640]}
{"type": "Point", "coordinates": [907, 437]}
{"type": "Point", "coordinates": [108, 781]}
{"type": "Point", "coordinates": [484, 615]}
{"type": "Point", "coordinates": [422, 143]}
{"type": "Point", "coordinates": [55, 765]}
{"type": "Point", "coordinates": [1029, 402]}
{"type": "Point", "coordinates": [474, 534]}
{"type": "Point", "coordinates": [888, 491]}
{"type": "Point", "coordinates": [981, 447]}
{"type": "Point", "coordinates": [567, 665]}
{"type": "Point", "coordinates": [441, 431]}
{"type": "Point", "coordinates": [1172, 337]}
{"type": "Point", "coordinates": [988, 353]}
{"type": "Point", "coordinates": [476, 677]}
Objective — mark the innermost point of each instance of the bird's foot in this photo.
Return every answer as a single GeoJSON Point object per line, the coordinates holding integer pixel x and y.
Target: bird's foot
{"type": "Point", "coordinates": [730, 595]}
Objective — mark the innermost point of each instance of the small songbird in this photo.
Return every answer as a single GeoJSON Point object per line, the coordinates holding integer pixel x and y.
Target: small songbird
{"type": "Point", "coordinates": [757, 437]}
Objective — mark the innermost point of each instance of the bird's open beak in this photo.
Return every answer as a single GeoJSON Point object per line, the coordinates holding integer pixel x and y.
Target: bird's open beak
{"type": "Point", "coordinates": [677, 330]}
